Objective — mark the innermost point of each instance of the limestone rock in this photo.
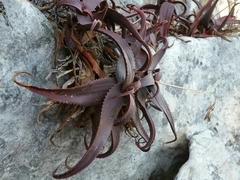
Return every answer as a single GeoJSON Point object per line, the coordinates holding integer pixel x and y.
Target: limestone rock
{"type": "Point", "coordinates": [212, 65]}
{"type": "Point", "coordinates": [209, 159]}
{"type": "Point", "coordinates": [26, 44]}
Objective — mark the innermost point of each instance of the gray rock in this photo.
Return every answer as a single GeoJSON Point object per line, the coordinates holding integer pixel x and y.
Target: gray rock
{"type": "Point", "coordinates": [210, 159]}
{"type": "Point", "coordinates": [27, 44]}
{"type": "Point", "coordinates": [210, 64]}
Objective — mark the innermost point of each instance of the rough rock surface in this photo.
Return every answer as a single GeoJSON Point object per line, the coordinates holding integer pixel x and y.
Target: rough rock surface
{"type": "Point", "coordinates": [210, 159]}
{"type": "Point", "coordinates": [213, 65]}
{"type": "Point", "coordinates": [27, 44]}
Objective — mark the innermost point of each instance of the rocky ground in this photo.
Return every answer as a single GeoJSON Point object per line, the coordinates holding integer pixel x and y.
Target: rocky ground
{"type": "Point", "coordinates": [204, 150]}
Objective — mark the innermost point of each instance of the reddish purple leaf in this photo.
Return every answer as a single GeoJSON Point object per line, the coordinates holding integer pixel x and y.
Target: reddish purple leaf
{"type": "Point", "coordinates": [110, 109]}
{"type": "Point", "coordinates": [88, 94]}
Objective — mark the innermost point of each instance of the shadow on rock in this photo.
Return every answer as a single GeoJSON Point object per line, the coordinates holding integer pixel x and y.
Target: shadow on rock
{"type": "Point", "coordinates": [175, 158]}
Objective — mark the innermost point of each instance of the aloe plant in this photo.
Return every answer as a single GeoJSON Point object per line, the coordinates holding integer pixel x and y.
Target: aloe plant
{"type": "Point", "coordinates": [112, 71]}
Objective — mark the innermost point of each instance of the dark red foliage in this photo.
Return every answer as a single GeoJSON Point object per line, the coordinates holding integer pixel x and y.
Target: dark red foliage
{"type": "Point", "coordinates": [133, 86]}
{"type": "Point", "coordinates": [202, 23]}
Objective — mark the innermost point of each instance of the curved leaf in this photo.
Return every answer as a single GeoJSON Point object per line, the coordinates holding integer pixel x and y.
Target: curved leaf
{"type": "Point", "coordinates": [115, 138]}
{"type": "Point", "coordinates": [159, 103]}
{"type": "Point", "coordinates": [166, 11]}
{"type": "Point", "coordinates": [207, 15]}
{"type": "Point", "coordinates": [127, 57]}
{"type": "Point", "coordinates": [228, 20]}
{"type": "Point", "coordinates": [123, 21]}
{"type": "Point", "coordinates": [88, 94]}
{"type": "Point", "coordinates": [81, 5]}
{"type": "Point", "coordinates": [142, 95]}
{"type": "Point", "coordinates": [160, 53]}
{"type": "Point", "coordinates": [110, 109]}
